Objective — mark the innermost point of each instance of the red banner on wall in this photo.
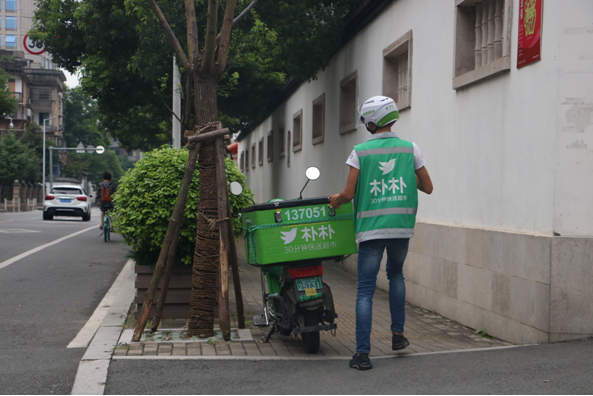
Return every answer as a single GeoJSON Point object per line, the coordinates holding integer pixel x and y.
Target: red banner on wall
{"type": "Point", "coordinates": [530, 32]}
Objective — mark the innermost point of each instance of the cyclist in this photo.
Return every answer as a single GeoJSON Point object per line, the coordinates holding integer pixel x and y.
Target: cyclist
{"type": "Point", "coordinates": [104, 191]}
{"type": "Point", "coordinates": [385, 174]}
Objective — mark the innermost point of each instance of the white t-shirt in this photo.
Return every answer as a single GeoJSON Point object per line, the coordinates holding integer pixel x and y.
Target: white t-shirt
{"type": "Point", "coordinates": [419, 161]}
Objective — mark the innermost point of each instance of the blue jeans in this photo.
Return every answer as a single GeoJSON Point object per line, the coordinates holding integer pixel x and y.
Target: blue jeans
{"type": "Point", "coordinates": [370, 254]}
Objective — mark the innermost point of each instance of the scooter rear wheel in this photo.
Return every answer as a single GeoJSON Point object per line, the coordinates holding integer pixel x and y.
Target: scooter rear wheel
{"type": "Point", "coordinates": [311, 339]}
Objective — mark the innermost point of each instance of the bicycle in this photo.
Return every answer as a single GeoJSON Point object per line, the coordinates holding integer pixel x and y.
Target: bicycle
{"type": "Point", "coordinates": [107, 227]}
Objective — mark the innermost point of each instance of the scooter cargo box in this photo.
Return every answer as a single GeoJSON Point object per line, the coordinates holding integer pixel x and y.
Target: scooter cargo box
{"type": "Point", "coordinates": [305, 229]}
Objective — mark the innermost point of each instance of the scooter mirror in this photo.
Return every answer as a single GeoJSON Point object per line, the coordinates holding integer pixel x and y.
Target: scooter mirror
{"type": "Point", "coordinates": [236, 188]}
{"type": "Point", "coordinates": [312, 173]}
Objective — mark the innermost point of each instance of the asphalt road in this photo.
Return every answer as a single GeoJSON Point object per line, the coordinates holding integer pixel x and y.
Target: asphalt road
{"type": "Point", "coordinates": [48, 296]}
{"type": "Point", "coordinates": [563, 368]}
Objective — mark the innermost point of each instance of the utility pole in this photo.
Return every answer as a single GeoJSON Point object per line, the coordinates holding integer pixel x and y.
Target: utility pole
{"type": "Point", "coordinates": [44, 121]}
{"type": "Point", "coordinates": [176, 105]}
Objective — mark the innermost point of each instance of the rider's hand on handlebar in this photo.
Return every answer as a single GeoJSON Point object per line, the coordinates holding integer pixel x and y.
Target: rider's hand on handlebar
{"type": "Point", "coordinates": [333, 199]}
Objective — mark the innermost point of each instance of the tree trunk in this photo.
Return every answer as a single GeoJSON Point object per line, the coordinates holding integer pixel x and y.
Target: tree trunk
{"type": "Point", "coordinates": [206, 260]}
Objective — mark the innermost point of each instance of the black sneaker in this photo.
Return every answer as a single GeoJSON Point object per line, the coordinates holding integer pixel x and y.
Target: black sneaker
{"type": "Point", "coordinates": [399, 342]}
{"type": "Point", "coordinates": [361, 362]}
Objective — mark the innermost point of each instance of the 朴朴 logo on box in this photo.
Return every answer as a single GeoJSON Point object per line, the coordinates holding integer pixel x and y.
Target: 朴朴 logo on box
{"type": "Point", "coordinates": [289, 236]}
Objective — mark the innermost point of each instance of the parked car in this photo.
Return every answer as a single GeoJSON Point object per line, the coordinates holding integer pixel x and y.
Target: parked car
{"type": "Point", "coordinates": [67, 200]}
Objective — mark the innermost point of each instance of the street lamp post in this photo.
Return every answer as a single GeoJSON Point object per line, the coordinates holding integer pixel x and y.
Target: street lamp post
{"type": "Point", "coordinates": [44, 121]}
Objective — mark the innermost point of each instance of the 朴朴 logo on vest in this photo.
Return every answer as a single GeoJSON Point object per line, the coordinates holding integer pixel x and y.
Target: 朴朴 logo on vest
{"type": "Point", "coordinates": [387, 167]}
{"type": "Point", "coordinates": [289, 236]}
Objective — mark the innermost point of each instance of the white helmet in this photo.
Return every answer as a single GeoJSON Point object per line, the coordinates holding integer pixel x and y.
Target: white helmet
{"type": "Point", "coordinates": [379, 110]}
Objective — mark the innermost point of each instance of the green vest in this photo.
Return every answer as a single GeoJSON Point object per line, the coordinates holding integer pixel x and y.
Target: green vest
{"type": "Point", "coordinates": [386, 194]}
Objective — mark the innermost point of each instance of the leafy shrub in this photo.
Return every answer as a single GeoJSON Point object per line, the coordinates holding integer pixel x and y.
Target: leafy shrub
{"type": "Point", "coordinates": [146, 197]}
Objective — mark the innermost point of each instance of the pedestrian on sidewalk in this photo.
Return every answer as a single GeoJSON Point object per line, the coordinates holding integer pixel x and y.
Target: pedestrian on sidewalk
{"type": "Point", "coordinates": [385, 174]}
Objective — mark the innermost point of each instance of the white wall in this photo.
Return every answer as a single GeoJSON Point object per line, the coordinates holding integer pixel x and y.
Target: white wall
{"type": "Point", "coordinates": [573, 199]}
{"type": "Point", "coordinates": [501, 153]}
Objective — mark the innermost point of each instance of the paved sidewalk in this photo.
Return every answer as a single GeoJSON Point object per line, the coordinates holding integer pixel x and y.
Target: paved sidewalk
{"type": "Point", "coordinates": [426, 331]}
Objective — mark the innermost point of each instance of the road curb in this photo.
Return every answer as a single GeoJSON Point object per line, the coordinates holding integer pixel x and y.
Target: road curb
{"type": "Point", "coordinates": [311, 358]}
{"type": "Point", "coordinates": [94, 365]}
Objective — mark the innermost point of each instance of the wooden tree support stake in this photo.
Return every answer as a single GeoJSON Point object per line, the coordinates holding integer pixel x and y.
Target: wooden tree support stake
{"type": "Point", "coordinates": [235, 269]}
{"type": "Point", "coordinates": [223, 215]}
{"type": "Point", "coordinates": [208, 135]}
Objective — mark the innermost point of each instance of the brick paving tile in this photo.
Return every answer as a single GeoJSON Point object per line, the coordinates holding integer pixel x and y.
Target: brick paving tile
{"type": "Point", "coordinates": [434, 346]}
{"type": "Point", "coordinates": [416, 348]}
{"type": "Point", "coordinates": [280, 348]}
{"type": "Point", "coordinates": [251, 349]}
{"type": "Point", "coordinates": [327, 350]}
{"type": "Point", "coordinates": [237, 349]}
{"type": "Point", "coordinates": [120, 352]}
{"type": "Point", "coordinates": [293, 346]}
{"type": "Point", "coordinates": [266, 349]}
{"type": "Point", "coordinates": [135, 352]}
{"type": "Point", "coordinates": [340, 349]}
{"type": "Point", "coordinates": [150, 350]}
{"type": "Point", "coordinates": [350, 345]}
{"type": "Point", "coordinates": [208, 349]}
{"type": "Point", "coordinates": [136, 346]}
{"type": "Point", "coordinates": [194, 349]}
{"type": "Point", "coordinates": [382, 346]}
{"type": "Point", "coordinates": [222, 349]}
{"type": "Point", "coordinates": [178, 349]}
{"type": "Point", "coordinates": [165, 349]}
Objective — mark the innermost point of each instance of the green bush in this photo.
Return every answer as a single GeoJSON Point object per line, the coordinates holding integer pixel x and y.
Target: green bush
{"type": "Point", "coordinates": [146, 197]}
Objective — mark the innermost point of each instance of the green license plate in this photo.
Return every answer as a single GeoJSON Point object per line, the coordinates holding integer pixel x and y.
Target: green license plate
{"type": "Point", "coordinates": [309, 283]}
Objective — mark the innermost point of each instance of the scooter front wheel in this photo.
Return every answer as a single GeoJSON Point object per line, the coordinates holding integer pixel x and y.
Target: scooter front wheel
{"type": "Point", "coordinates": [311, 339]}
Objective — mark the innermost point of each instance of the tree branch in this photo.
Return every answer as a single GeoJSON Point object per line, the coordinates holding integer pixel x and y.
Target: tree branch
{"type": "Point", "coordinates": [169, 33]}
{"type": "Point", "coordinates": [210, 46]}
{"type": "Point", "coordinates": [225, 34]}
{"type": "Point", "coordinates": [187, 103]}
{"type": "Point", "coordinates": [160, 95]}
{"type": "Point", "coordinates": [192, 30]}
{"type": "Point", "coordinates": [241, 15]}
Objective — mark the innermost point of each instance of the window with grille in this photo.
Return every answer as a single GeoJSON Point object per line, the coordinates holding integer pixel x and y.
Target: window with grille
{"type": "Point", "coordinates": [482, 40]}
{"type": "Point", "coordinates": [297, 127]}
{"type": "Point", "coordinates": [281, 141]}
{"type": "Point", "coordinates": [242, 162]}
{"type": "Point", "coordinates": [318, 119]}
{"type": "Point", "coordinates": [247, 160]}
{"type": "Point", "coordinates": [253, 155]}
{"type": "Point", "coordinates": [348, 103]}
{"type": "Point", "coordinates": [397, 71]}
{"type": "Point", "coordinates": [270, 152]}
{"type": "Point", "coordinates": [260, 152]}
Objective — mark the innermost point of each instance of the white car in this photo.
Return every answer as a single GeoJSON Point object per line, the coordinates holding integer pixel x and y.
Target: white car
{"type": "Point", "coordinates": [67, 200]}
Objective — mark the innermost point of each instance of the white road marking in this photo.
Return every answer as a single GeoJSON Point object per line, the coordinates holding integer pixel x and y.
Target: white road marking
{"type": "Point", "coordinates": [17, 231]}
{"type": "Point", "coordinates": [86, 334]}
{"type": "Point", "coordinates": [37, 249]}
{"type": "Point", "coordinates": [94, 365]}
